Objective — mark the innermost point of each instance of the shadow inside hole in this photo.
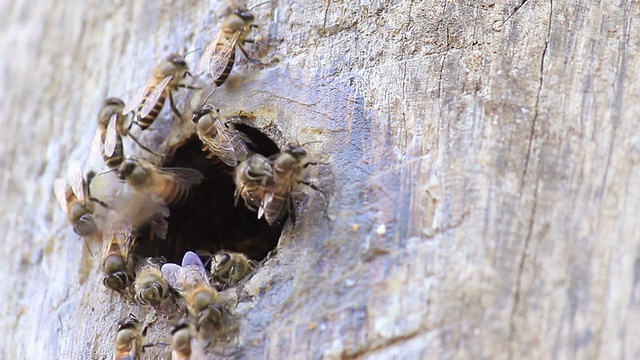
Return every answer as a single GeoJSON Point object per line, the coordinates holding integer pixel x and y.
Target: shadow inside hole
{"type": "Point", "coordinates": [207, 220]}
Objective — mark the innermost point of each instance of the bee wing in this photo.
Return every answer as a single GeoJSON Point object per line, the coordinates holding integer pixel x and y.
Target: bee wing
{"type": "Point", "coordinates": [137, 98]}
{"type": "Point", "coordinates": [230, 144]}
{"type": "Point", "coordinates": [76, 181]}
{"type": "Point", "coordinates": [159, 224]}
{"type": "Point", "coordinates": [151, 101]}
{"type": "Point", "coordinates": [206, 57]}
{"type": "Point", "coordinates": [265, 200]}
{"type": "Point", "coordinates": [219, 60]}
{"type": "Point", "coordinates": [60, 190]}
{"type": "Point", "coordinates": [111, 137]}
{"type": "Point", "coordinates": [171, 272]}
{"type": "Point", "coordinates": [191, 259]}
{"type": "Point", "coordinates": [96, 146]}
{"type": "Point", "coordinates": [183, 178]}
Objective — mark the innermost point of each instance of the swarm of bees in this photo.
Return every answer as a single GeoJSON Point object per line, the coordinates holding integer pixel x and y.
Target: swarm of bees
{"type": "Point", "coordinates": [139, 193]}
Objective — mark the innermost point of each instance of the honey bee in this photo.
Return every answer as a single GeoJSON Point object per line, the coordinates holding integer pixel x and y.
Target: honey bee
{"type": "Point", "coordinates": [112, 127]}
{"type": "Point", "coordinates": [287, 169]}
{"type": "Point", "coordinates": [75, 199]}
{"type": "Point", "coordinates": [227, 143]}
{"type": "Point", "coordinates": [165, 185]}
{"type": "Point", "coordinates": [150, 286]}
{"type": "Point", "coordinates": [218, 58]}
{"type": "Point", "coordinates": [166, 78]}
{"type": "Point", "coordinates": [228, 268]}
{"type": "Point", "coordinates": [192, 282]}
{"type": "Point", "coordinates": [128, 339]}
{"type": "Point", "coordinates": [181, 336]}
{"type": "Point", "coordinates": [253, 177]}
{"type": "Point", "coordinates": [109, 120]}
{"type": "Point", "coordinates": [118, 241]}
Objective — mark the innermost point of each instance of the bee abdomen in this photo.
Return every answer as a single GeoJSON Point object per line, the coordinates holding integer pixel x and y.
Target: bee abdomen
{"type": "Point", "coordinates": [145, 122]}
{"type": "Point", "coordinates": [275, 207]}
{"type": "Point", "coordinates": [227, 70]}
{"type": "Point", "coordinates": [116, 158]}
{"type": "Point", "coordinates": [170, 193]}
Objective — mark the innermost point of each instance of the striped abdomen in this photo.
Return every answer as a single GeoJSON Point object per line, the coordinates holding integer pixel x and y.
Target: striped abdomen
{"type": "Point", "coordinates": [277, 202]}
{"type": "Point", "coordinates": [145, 122]}
{"type": "Point", "coordinates": [116, 158]}
{"type": "Point", "coordinates": [169, 191]}
{"type": "Point", "coordinates": [227, 69]}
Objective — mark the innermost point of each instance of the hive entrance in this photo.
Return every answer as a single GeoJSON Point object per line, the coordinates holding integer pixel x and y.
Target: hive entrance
{"type": "Point", "coordinates": [207, 220]}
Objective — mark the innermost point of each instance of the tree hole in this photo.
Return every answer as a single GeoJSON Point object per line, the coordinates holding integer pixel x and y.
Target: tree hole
{"type": "Point", "coordinates": [207, 220]}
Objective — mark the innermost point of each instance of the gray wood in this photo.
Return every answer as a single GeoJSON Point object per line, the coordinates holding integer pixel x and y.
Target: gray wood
{"type": "Point", "coordinates": [482, 157]}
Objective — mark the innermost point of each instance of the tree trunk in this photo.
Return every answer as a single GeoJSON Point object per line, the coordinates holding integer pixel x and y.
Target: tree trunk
{"type": "Point", "coordinates": [480, 161]}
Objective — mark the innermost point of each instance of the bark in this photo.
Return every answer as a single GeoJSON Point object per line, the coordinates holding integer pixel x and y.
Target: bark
{"type": "Point", "coordinates": [481, 163]}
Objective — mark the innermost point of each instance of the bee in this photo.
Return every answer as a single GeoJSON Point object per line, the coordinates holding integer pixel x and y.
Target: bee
{"type": "Point", "coordinates": [228, 268]}
{"type": "Point", "coordinates": [181, 336]}
{"type": "Point", "coordinates": [118, 242]}
{"type": "Point", "coordinates": [287, 169]}
{"type": "Point", "coordinates": [112, 127]}
{"type": "Point", "coordinates": [165, 185]}
{"type": "Point", "coordinates": [129, 339]}
{"type": "Point", "coordinates": [166, 78]}
{"type": "Point", "coordinates": [192, 282]}
{"type": "Point", "coordinates": [253, 177]}
{"type": "Point", "coordinates": [150, 286]}
{"type": "Point", "coordinates": [75, 199]}
{"type": "Point", "coordinates": [228, 144]}
{"type": "Point", "coordinates": [110, 120]}
{"type": "Point", "coordinates": [218, 58]}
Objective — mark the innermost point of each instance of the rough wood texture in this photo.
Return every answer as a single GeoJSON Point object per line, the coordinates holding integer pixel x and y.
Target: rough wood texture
{"type": "Point", "coordinates": [486, 150]}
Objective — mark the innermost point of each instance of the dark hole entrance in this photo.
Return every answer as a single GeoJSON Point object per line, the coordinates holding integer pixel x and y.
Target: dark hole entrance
{"type": "Point", "coordinates": [207, 220]}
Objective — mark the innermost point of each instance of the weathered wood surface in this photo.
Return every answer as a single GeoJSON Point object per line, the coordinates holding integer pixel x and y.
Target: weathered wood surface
{"type": "Point", "coordinates": [486, 150]}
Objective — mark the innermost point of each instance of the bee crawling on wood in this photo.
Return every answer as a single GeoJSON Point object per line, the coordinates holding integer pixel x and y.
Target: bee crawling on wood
{"type": "Point", "coordinates": [191, 281]}
{"type": "Point", "coordinates": [112, 128]}
{"type": "Point", "coordinates": [219, 57]}
{"type": "Point", "coordinates": [221, 140]}
{"type": "Point", "coordinates": [253, 178]}
{"type": "Point", "coordinates": [116, 262]}
{"type": "Point", "coordinates": [166, 78]}
{"type": "Point", "coordinates": [75, 199]}
{"type": "Point", "coordinates": [185, 345]}
{"type": "Point", "coordinates": [150, 287]}
{"type": "Point", "coordinates": [288, 169]}
{"type": "Point", "coordinates": [229, 268]}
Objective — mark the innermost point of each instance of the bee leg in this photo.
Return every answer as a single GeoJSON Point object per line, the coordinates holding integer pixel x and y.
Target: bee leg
{"type": "Point", "coordinates": [254, 41]}
{"type": "Point", "coordinates": [244, 52]}
{"type": "Point", "coordinates": [102, 203]}
{"type": "Point", "coordinates": [144, 147]}
{"type": "Point", "coordinates": [173, 107]}
{"type": "Point", "coordinates": [292, 210]}
{"type": "Point", "coordinates": [313, 186]}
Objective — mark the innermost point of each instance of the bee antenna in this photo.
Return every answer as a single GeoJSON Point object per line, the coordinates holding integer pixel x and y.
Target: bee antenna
{"type": "Point", "coordinates": [190, 52]}
{"type": "Point", "coordinates": [310, 142]}
{"type": "Point", "coordinates": [104, 172]}
{"type": "Point", "coordinates": [262, 3]}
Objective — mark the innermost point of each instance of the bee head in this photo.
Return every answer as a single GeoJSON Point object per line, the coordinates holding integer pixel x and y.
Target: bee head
{"type": "Point", "coordinates": [117, 281]}
{"type": "Point", "coordinates": [245, 15]}
{"type": "Point", "coordinates": [85, 225]}
{"type": "Point", "coordinates": [212, 314]}
{"type": "Point", "coordinates": [151, 295]}
{"type": "Point", "coordinates": [259, 167]}
{"type": "Point", "coordinates": [205, 110]}
{"type": "Point", "coordinates": [294, 150]}
{"type": "Point", "coordinates": [130, 322]}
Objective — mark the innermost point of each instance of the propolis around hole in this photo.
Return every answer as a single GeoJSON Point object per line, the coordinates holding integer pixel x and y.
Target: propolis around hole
{"type": "Point", "coordinates": [207, 220]}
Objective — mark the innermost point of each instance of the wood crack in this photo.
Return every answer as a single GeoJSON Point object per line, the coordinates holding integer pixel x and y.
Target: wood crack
{"type": "Point", "coordinates": [525, 249]}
